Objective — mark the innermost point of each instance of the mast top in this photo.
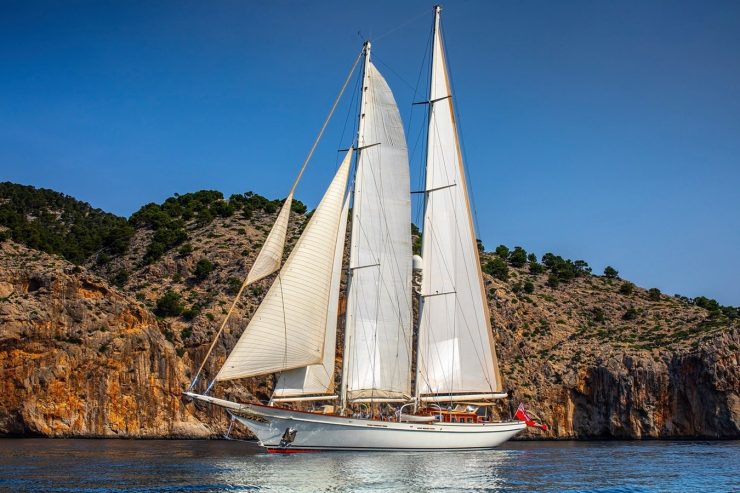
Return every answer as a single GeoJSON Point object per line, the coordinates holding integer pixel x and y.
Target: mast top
{"type": "Point", "coordinates": [437, 9]}
{"type": "Point", "coordinates": [366, 47]}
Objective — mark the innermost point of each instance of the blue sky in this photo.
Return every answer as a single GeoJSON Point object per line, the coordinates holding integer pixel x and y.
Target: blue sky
{"type": "Point", "coordinates": [607, 131]}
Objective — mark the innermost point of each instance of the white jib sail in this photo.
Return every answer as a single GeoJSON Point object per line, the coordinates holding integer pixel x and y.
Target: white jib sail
{"type": "Point", "coordinates": [456, 353]}
{"type": "Point", "coordinates": [319, 379]}
{"type": "Point", "coordinates": [378, 362]}
{"type": "Point", "coordinates": [288, 328]}
{"type": "Point", "coordinates": [271, 254]}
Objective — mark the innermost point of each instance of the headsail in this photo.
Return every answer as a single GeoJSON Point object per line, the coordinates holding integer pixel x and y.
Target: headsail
{"type": "Point", "coordinates": [456, 353]}
{"type": "Point", "coordinates": [287, 330]}
{"type": "Point", "coordinates": [319, 379]}
{"type": "Point", "coordinates": [378, 328]}
{"type": "Point", "coordinates": [271, 254]}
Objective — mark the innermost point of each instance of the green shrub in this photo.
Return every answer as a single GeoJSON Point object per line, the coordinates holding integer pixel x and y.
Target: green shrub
{"type": "Point", "coordinates": [298, 207]}
{"type": "Point", "coordinates": [120, 278]}
{"type": "Point", "coordinates": [536, 268]}
{"type": "Point", "coordinates": [582, 266]}
{"type": "Point", "coordinates": [497, 268]}
{"type": "Point", "coordinates": [203, 269]}
{"type": "Point", "coordinates": [168, 305]}
{"type": "Point", "coordinates": [564, 270]}
{"type": "Point", "coordinates": [518, 257]}
{"type": "Point", "coordinates": [191, 312]}
{"type": "Point", "coordinates": [610, 272]}
{"type": "Point", "coordinates": [654, 294]}
{"type": "Point", "coordinates": [630, 314]}
{"type": "Point", "coordinates": [186, 249]}
{"type": "Point", "coordinates": [528, 287]}
{"type": "Point", "coordinates": [627, 288]}
{"type": "Point", "coordinates": [233, 285]}
{"type": "Point", "coordinates": [168, 334]}
{"type": "Point", "coordinates": [502, 251]}
{"type": "Point", "coordinates": [416, 239]}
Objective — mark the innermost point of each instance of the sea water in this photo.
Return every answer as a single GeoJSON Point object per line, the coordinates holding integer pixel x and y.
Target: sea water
{"type": "Point", "coordinates": [194, 466]}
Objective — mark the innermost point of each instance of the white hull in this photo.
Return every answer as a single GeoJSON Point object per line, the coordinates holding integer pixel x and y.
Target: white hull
{"type": "Point", "coordinates": [324, 432]}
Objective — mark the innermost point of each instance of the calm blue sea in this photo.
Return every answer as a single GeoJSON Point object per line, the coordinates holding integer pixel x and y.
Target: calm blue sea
{"type": "Point", "coordinates": [195, 466]}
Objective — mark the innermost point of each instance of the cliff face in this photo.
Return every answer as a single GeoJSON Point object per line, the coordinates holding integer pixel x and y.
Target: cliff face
{"type": "Point", "coordinates": [672, 371]}
{"type": "Point", "coordinates": [79, 357]}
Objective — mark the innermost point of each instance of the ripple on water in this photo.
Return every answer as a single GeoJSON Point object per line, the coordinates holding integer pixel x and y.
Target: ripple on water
{"type": "Point", "coordinates": [93, 466]}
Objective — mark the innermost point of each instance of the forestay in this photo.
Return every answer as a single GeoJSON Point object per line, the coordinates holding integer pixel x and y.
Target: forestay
{"type": "Point", "coordinates": [319, 379]}
{"type": "Point", "coordinates": [378, 329]}
{"type": "Point", "coordinates": [287, 331]}
{"type": "Point", "coordinates": [456, 353]}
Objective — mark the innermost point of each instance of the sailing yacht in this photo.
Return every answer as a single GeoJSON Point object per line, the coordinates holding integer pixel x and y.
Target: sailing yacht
{"type": "Point", "coordinates": [391, 397]}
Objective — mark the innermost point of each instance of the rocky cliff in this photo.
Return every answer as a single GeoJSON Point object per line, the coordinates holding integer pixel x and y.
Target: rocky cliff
{"type": "Point", "coordinates": [105, 348]}
{"type": "Point", "coordinates": [571, 356]}
{"type": "Point", "coordinates": [79, 358]}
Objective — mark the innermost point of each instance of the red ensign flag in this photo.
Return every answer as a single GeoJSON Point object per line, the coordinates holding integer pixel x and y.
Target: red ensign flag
{"type": "Point", "coordinates": [521, 415]}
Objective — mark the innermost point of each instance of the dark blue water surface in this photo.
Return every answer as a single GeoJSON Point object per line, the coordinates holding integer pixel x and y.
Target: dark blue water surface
{"type": "Point", "coordinates": [173, 466]}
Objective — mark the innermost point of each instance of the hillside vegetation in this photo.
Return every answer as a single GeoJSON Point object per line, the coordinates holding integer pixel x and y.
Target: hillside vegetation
{"type": "Point", "coordinates": [56, 223]}
{"type": "Point", "coordinates": [592, 355]}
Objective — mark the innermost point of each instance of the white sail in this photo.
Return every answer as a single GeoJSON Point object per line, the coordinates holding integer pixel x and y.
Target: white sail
{"type": "Point", "coordinates": [319, 379]}
{"type": "Point", "coordinates": [456, 353]}
{"type": "Point", "coordinates": [378, 328]}
{"type": "Point", "coordinates": [287, 330]}
{"type": "Point", "coordinates": [271, 254]}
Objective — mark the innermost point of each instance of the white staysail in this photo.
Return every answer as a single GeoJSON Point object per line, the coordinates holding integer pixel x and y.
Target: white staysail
{"type": "Point", "coordinates": [288, 329]}
{"type": "Point", "coordinates": [319, 379]}
{"type": "Point", "coordinates": [378, 329]}
{"type": "Point", "coordinates": [271, 254]}
{"type": "Point", "coordinates": [456, 354]}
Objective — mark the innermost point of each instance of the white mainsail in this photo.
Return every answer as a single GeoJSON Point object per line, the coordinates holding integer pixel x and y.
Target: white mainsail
{"type": "Point", "coordinates": [287, 331]}
{"type": "Point", "coordinates": [455, 353]}
{"type": "Point", "coordinates": [319, 379]}
{"type": "Point", "coordinates": [378, 329]}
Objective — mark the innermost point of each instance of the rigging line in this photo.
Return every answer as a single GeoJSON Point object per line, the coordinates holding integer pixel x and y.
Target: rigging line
{"type": "Point", "coordinates": [350, 111]}
{"type": "Point", "coordinates": [403, 24]}
{"type": "Point", "coordinates": [326, 122]}
{"type": "Point", "coordinates": [295, 184]}
{"type": "Point", "coordinates": [376, 57]}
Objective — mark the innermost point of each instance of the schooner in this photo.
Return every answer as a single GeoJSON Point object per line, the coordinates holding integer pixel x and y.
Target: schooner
{"type": "Point", "coordinates": [392, 396]}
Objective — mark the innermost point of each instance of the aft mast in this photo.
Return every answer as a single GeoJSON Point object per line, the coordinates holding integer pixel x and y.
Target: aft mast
{"type": "Point", "coordinates": [456, 359]}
